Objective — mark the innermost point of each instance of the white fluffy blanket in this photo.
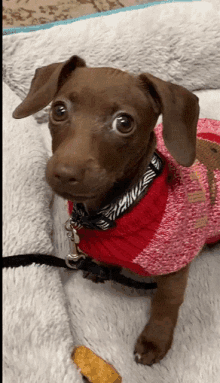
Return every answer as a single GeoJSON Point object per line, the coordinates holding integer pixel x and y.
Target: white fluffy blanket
{"type": "Point", "coordinates": [46, 312]}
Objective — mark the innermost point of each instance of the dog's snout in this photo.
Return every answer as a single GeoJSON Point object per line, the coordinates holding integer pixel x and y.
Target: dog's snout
{"type": "Point", "coordinates": [69, 174]}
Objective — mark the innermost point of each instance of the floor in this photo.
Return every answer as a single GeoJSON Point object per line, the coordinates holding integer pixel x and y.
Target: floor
{"type": "Point", "coordinates": [33, 12]}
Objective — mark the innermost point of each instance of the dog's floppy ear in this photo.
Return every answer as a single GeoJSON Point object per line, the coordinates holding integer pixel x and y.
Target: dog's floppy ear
{"type": "Point", "coordinates": [180, 112]}
{"type": "Point", "coordinates": [45, 84]}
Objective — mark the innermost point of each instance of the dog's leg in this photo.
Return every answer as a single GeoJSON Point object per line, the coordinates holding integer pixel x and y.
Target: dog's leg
{"type": "Point", "coordinates": [156, 338]}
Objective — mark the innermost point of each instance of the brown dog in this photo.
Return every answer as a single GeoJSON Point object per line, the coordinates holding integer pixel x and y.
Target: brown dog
{"type": "Point", "coordinates": [101, 122]}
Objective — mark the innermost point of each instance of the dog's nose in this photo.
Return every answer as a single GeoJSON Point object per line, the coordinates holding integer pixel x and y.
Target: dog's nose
{"type": "Point", "coordinates": [69, 174]}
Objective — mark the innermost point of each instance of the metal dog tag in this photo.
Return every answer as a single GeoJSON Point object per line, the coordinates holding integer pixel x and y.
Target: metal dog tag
{"type": "Point", "coordinates": [75, 253]}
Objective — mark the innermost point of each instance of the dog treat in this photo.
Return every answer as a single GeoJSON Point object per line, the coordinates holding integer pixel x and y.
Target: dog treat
{"type": "Point", "coordinates": [94, 368]}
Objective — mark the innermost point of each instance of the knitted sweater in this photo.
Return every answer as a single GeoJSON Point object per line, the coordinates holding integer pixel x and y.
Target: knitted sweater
{"type": "Point", "coordinates": [174, 220]}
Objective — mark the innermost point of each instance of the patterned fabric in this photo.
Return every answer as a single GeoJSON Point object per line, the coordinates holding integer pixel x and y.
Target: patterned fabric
{"type": "Point", "coordinates": [171, 224]}
{"type": "Point", "coordinates": [105, 218]}
{"type": "Point", "coordinates": [18, 13]}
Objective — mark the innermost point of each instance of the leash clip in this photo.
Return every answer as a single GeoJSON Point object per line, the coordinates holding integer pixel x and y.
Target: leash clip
{"type": "Point", "coordinates": [75, 254]}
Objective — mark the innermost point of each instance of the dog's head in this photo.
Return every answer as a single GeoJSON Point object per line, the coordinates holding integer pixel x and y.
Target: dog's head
{"type": "Point", "coordinates": [102, 120]}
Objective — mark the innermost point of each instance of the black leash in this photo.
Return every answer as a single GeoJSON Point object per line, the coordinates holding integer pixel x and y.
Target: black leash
{"type": "Point", "coordinates": [101, 273]}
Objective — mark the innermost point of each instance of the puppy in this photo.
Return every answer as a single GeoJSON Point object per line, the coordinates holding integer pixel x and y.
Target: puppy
{"type": "Point", "coordinates": [142, 198]}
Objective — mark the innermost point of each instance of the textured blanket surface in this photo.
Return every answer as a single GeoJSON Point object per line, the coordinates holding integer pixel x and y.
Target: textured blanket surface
{"type": "Point", "coordinates": [46, 312]}
{"type": "Point", "coordinates": [37, 340]}
{"type": "Point", "coordinates": [178, 42]}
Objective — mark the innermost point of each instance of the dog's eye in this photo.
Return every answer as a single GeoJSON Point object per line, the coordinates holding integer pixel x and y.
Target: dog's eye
{"type": "Point", "coordinates": [123, 124]}
{"type": "Point", "coordinates": [59, 112]}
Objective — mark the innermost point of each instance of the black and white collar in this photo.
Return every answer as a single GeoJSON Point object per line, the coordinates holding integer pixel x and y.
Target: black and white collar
{"type": "Point", "coordinates": [105, 218]}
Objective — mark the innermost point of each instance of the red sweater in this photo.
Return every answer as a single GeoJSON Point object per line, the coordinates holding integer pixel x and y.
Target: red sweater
{"type": "Point", "coordinates": [171, 223]}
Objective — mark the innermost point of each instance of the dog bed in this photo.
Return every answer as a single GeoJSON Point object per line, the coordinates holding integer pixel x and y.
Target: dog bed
{"type": "Point", "coordinates": [48, 311]}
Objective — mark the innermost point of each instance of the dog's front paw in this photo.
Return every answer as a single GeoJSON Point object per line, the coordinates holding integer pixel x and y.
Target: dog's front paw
{"type": "Point", "coordinates": [152, 345]}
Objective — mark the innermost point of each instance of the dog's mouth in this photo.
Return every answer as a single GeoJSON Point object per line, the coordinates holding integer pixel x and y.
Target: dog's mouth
{"type": "Point", "coordinates": [92, 203]}
{"type": "Point", "coordinates": [77, 198]}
